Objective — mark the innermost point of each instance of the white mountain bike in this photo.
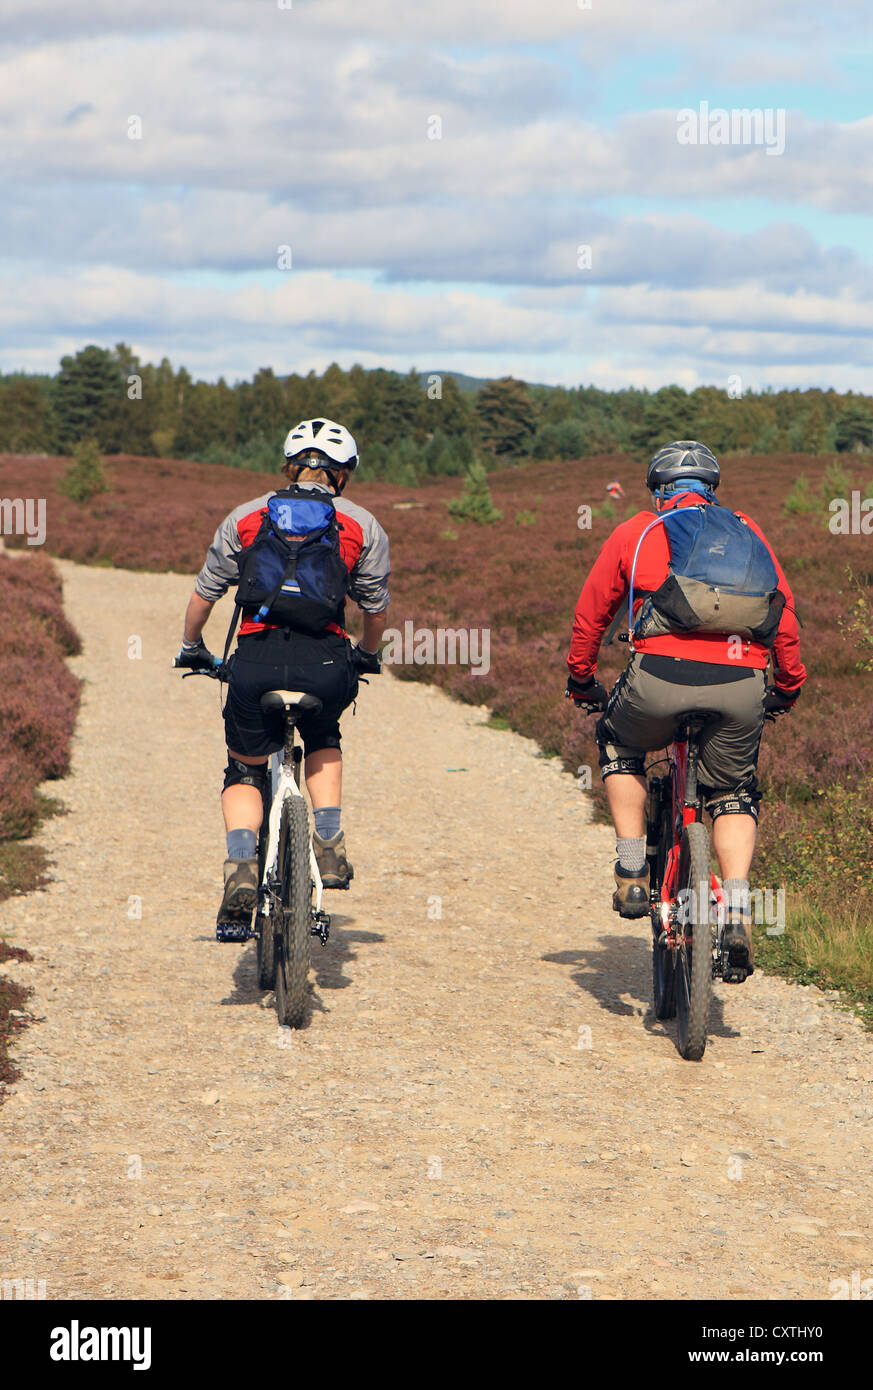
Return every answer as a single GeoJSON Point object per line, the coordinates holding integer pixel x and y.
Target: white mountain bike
{"type": "Point", "coordinates": [289, 911]}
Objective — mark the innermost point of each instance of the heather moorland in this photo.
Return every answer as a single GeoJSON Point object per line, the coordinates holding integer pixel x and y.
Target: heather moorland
{"type": "Point", "coordinates": [519, 577]}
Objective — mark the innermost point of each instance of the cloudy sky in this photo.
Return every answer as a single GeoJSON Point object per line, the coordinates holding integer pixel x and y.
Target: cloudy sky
{"type": "Point", "coordinates": [435, 167]}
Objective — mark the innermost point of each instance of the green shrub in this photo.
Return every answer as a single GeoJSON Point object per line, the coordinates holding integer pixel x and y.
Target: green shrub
{"type": "Point", "coordinates": [801, 499]}
{"type": "Point", "coordinates": [857, 625]}
{"type": "Point", "coordinates": [162, 442]}
{"type": "Point", "coordinates": [474, 503]}
{"type": "Point", "coordinates": [836, 482]}
{"type": "Point", "coordinates": [85, 476]}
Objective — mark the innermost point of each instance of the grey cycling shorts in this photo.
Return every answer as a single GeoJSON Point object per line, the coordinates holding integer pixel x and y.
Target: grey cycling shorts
{"type": "Point", "coordinates": [653, 690]}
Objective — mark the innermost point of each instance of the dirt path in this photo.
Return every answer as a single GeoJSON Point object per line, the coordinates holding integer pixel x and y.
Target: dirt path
{"type": "Point", "coordinates": [437, 1130]}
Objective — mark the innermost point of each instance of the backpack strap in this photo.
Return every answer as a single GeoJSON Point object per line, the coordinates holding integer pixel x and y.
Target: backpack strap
{"type": "Point", "coordinates": [289, 572]}
{"type": "Point", "coordinates": [237, 610]}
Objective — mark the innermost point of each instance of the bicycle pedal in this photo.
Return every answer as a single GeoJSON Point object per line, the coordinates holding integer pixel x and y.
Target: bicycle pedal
{"type": "Point", "coordinates": [320, 926]}
{"type": "Point", "coordinates": [233, 932]}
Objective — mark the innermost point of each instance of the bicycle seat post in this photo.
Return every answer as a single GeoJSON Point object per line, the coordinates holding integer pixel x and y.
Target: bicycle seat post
{"type": "Point", "coordinates": [291, 704]}
{"type": "Point", "coordinates": [689, 731]}
{"type": "Point", "coordinates": [293, 755]}
{"type": "Point", "coordinates": [691, 765]}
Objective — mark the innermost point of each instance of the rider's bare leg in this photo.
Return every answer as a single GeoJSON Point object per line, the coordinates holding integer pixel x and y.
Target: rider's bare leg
{"type": "Point", "coordinates": [733, 839]}
{"type": "Point", "coordinates": [626, 794]}
{"type": "Point", "coordinates": [323, 770]}
{"type": "Point", "coordinates": [242, 806]}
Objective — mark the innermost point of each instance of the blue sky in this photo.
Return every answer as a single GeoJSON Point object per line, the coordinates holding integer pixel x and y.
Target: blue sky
{"type": "Point", "coordinates": [308, 127]}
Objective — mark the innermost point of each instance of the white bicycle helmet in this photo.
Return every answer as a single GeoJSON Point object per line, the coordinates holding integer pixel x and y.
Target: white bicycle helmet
{"type": "Point", "coordinates": [327, 438]}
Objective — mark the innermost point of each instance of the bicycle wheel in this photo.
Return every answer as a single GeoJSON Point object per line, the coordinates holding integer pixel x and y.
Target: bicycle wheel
{"type": "Point", "coordinates": [693, 965]}
{"type": "Point", "coordinates": [265, 926]}
{"type": "Point", "coordinates": [292, 962]}
{"type": "Point", "coordinates": [658, 838]}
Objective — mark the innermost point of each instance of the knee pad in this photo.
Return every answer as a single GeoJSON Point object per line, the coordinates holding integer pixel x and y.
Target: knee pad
{"type": "Point", "coordinates": [737, 804]}
{"type": "Point", "coordinates": [633, 765]}
{"type": "Point", "coordinates": [609, 759]}
{"type": "Point", "coordinates": [238, 774]}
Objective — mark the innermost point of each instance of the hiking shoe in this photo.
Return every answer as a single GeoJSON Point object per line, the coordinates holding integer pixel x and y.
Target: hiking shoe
{"type": "Point", "coordinates": [736, 940]}
{"type": "Point", "coordinates": [330, 855]}
{"type": "Point", "coordinates": [631, 896]}
{"type": "Point", "coordinates": [240, 891]}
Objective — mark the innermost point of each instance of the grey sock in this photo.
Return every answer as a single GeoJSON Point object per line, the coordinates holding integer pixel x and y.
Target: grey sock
{"type": "Point", "coordinates": [632, 853]}
{"type": "Point", "coordinates": [736, 893]}
{"type": "Point", "coordinates": [327, 821]}
{"type": "Point", "coordinates": [242, 844]}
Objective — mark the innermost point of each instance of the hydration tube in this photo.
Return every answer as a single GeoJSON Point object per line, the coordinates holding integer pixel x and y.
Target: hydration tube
{"type": "Point", "coordinates": [697, 507]}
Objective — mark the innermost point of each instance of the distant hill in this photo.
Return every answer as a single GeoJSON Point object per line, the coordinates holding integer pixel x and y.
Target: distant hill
{"type": "Point", "coordinates": [475, 383]}
{"type": "Point", "coordinates": [465, 383]}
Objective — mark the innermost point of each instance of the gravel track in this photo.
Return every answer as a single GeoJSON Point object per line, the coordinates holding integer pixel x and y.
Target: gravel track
{"type": "Point", "coordinates": [442, 1127]}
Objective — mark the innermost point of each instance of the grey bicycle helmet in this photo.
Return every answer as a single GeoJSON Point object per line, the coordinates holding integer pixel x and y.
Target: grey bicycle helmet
{"type": "Point", "coordinates": [684, 458]}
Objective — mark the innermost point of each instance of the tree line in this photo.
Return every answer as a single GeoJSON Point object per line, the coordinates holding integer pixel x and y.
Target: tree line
{"type": "Point", "coordinates": [408, 426]}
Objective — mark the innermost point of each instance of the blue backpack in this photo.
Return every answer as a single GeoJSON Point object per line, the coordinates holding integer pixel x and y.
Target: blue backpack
{"type": "Point", "coordinates": [292, 574]}
{"type": "Point", "coordinates": [722, 579]}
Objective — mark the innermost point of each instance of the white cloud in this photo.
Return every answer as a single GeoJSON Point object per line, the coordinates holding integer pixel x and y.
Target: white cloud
{"type": "Point", "coordinates": [213, 117]}
{"type": "Point", "coordinates": [308, 126]}
{"type": "Point", "coordinates": [319, 317]}
{"type": "Point", "coordinates": [628, 23]}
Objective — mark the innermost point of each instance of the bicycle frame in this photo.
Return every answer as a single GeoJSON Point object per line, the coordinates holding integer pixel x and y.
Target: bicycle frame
{"type": "Point", "coordinates": [685, 810]}
{"type": "Point", "coordinates": [285, 782]}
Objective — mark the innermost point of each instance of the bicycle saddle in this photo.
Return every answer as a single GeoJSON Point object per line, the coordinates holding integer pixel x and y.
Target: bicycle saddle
{"type": "Point", "coordinates": [295, 700]}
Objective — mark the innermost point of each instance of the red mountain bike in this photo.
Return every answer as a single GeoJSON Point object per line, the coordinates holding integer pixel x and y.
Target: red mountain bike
{"type": "Point", "coordinates": [687, 901]}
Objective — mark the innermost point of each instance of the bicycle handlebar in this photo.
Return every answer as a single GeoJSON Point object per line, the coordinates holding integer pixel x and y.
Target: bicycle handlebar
{"type": "Point", "coordinates": [217, 673]}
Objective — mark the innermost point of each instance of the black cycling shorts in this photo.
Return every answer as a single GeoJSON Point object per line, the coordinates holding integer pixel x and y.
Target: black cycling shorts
{"type": "Point", "coordinates": [280, 659]}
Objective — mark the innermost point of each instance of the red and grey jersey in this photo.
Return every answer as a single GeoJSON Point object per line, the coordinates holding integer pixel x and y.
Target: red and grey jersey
{"type": "Point", "coordinates": [363, 549]}
{"type": "Point", "coordinates": [606, 589]}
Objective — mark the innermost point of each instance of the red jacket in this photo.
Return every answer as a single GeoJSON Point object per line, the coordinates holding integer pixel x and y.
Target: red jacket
{"type": "Point", "coordinates": [606, 588]}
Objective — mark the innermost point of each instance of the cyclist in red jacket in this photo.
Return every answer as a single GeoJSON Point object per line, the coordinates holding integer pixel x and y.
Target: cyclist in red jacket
{"type": "Point", "coordinates": [670, 674]}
